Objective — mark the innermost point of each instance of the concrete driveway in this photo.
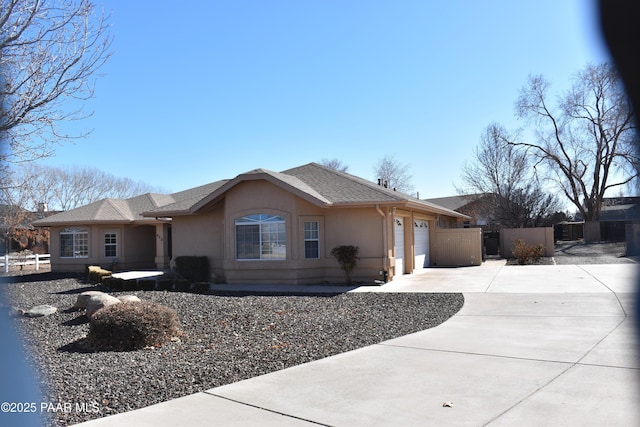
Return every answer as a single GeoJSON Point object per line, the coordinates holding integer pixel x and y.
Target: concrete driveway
{"type": "Point", "coordinates": [549, 345]}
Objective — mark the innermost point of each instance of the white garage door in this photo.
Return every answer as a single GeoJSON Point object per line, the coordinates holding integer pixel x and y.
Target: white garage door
{"type": "Point", "coordinates": [399, 244]}
{"type": "Point", "coordinates": [421, 238]}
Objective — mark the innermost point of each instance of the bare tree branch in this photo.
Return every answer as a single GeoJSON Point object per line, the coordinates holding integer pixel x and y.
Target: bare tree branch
{"type": "Point", "coordinates": [587, 141]}
{"type": "Point", "coordinates": [394, 174]}
{"type": "Point", "coordinates": [50, 51]}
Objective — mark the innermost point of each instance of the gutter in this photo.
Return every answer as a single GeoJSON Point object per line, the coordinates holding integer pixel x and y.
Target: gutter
{"type": "Point", "coordinates": [385, 243]}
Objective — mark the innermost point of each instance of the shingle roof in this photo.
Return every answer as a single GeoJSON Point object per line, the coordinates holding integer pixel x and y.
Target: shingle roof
{"type": "Point", "coordinates": [127, 210]}
{"type": "Point", "coordinates": [454, 202]}
{"type": "Point", "coordinates": [316, 183]}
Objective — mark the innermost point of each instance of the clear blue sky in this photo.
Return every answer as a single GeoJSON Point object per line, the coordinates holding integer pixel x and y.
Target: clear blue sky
{"type": "Point", "coordinates": [204, 90]}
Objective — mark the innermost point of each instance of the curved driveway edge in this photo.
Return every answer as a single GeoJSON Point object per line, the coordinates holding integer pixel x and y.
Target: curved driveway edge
{"type": "Point", "coordinates": [533, 345]}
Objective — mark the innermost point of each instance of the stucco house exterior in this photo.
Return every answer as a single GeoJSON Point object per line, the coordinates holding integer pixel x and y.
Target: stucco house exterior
{"type": "Point", "coordinates": [268, 227]}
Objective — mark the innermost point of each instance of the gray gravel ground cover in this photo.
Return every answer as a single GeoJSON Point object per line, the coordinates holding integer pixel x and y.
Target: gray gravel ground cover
{"type": "Point", "coordinates": [227, 339]}
{"type": "Point", "coordinates": [579, 252]}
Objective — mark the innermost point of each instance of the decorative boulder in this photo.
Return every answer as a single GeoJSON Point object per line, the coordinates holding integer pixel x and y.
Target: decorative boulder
{"type": "Point", "coordinates": [129, 298]}
{"type": "Point", "coordinates": [41, 310]}
{"type": "Point", "coordinates": [96, 302]}
{"type": "Point", "coordinates": [83, 299]}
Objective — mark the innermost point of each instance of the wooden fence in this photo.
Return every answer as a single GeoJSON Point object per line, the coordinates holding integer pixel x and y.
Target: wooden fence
{"type": "Point", "coordinates": [22, 260]}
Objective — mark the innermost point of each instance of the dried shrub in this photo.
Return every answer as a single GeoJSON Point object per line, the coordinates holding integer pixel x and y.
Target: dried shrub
{"type": "Point", "coordinates": [347, 257]}
{"type": "Point", "coordinates": [96, 273]}
{"type": "Point", "coordinates": [132, 326]}
{"type": "Point", "coordinates": [527, 254]}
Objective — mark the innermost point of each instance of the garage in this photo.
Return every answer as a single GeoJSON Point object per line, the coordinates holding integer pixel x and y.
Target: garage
{"type": "Point", "coordinates": [421, 239]}
{"type": "Point", "coordinates": [398, 231]}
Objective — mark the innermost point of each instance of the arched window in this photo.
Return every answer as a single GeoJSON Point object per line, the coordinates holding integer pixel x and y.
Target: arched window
{"type": "Point", "coordinates": [261, 237]}
{"type": "Point", "coordinates": [74, 243]}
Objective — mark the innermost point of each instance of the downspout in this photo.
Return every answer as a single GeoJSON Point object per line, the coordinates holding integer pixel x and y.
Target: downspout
{"type": "Point", "coordinates": [385, 244]}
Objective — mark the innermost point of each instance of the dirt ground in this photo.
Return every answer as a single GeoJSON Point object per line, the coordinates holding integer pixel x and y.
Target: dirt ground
{"type": "Point", "coordinates": [579, 252]}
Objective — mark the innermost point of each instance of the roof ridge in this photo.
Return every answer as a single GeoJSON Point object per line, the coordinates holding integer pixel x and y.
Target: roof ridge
{"type": "Point", "coordinates": [113, 203]}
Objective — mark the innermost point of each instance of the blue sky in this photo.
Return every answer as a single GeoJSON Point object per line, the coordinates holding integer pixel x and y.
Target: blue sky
{"type": "Point", "coordinates": [210, 89]}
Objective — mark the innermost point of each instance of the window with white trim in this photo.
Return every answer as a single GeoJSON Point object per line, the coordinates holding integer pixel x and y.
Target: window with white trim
{"type": "Point", "coordinates": [74, 243]}
{"type": "Point", "coordinates": [110, 244]}
{"type": "Point", "coordinates": [261, 237]}
{"type": "Point", "coordinates": [311, 240]}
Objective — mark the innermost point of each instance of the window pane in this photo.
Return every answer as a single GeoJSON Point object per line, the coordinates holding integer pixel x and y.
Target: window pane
{"type": "Point", "coordinates": [110, 245]}
{"type": "Point", "coordinates": [74, 243]}
{"type": "Point", "coordinates": [311, 239]}
{"type": "Point", "coordinates": [273, 241]}
{"type": "Point", "coordinates": [311, 230]}
{"type": "Point", "coordinates": [311, 249]}
{"type": "Point", "coordinates": [261, 236]}
{"type": "Point", "coordinates": [66, 245]}
{"type": "Point", "coordinates": [247, 241]}
{"type": "Point", "coordinates": [81, 245]}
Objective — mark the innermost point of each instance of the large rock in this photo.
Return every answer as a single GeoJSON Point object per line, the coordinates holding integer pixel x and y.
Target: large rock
{"type": "Point", "coordinates": [129, 298]}
{"type": "Point", "coordinates": [83, 299]}
{"type": "Point", "coordinates": [41, 310]}
{"type": "Point", "coordinates": [96, 302]}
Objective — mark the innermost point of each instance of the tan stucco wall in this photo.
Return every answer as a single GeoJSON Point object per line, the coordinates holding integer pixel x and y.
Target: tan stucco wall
{"type": "Point", "coordinates": [213, 234]}
{"type": "Point", "coordinates": [531, 236]}
{"type": "Point", "coordinates": [135, 248]}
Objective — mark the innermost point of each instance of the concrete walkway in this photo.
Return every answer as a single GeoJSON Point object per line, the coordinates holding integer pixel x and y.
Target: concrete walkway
{"type": "Point", "coordinates": [532, 346]}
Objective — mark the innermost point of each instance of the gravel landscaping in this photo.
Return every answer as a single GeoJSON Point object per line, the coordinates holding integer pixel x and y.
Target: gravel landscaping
{"type": "Point", "coordinates": [227, 338]}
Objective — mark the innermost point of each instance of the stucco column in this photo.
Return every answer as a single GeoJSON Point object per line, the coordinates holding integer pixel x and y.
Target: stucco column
{"type": "Point", "coordinates": [162, 246]}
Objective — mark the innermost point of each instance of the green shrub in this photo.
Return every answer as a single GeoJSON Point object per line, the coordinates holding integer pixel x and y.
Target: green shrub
{"type": "Point", "coordinates": [193, 268]}
{"type": "Point", "coordinates": [165, 284]}
{"type": "Point", "coordinates": [146, 284]}
{"type": "Point", "coordinates": [527, 254]}
{"type": "Point", "coordinates": [132, 326]}
{"type": "Point", "coordinates": [347, 257]}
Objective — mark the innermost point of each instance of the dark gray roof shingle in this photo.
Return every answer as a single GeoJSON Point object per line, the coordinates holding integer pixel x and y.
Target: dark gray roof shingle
{"type": "Point", "coordinates": [315, 182]}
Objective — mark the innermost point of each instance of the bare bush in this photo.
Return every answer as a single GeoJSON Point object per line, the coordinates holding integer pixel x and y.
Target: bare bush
{"type": "Point", "coordinates": [132, 326]}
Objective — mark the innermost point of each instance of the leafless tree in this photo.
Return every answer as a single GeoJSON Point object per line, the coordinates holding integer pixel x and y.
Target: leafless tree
{"type": "Point", "coordinates": [67, 188]}
{"type": "Point", "coordinates": [501, 181]}
{"type": "Point", "coordinates": [394, 174]}
{"type": "Point", "coordinates": [50, 51]}
{"type": "Point", "coordinates": [586, 141]}
{"type": "Point", "coordinates": [335, 164]}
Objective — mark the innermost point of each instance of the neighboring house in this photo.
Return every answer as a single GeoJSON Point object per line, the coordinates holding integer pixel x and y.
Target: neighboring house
{"type": "Point", "coordinates": [615, 214]}
{"type": "Point", "coordinates": [266, 227]}
{"type": "Point", "coordinates": [468, 204]}
{"type": "Point", "coordinates": [18, 232]}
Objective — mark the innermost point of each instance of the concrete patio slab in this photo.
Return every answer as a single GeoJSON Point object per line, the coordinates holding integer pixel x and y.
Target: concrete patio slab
{"type": "Point", "coordinates": [583, 396]}
{"type": "Point", "coordinates": [536, 279]}
{"type": "Point", "coordinates": [553, 338]}
{"type": "Point", "coordinates": [200, 409]}
{"type": "Point", "coordinates": [533, 304]}
{"type": "Point", "coordinates": [135, 275]}
{"type": "Point", "coordinates": [622, 278]}
{"type": "Point", "coordinates": [618, 349]}
{"type": "Point", "coordinates": [387, 385]}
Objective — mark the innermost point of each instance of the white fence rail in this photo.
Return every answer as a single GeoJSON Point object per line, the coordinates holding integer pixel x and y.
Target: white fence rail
{"type": "Point", "coordinates": [22, 260]}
